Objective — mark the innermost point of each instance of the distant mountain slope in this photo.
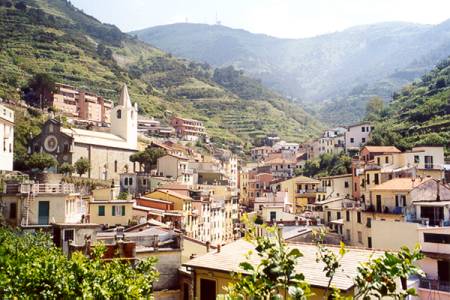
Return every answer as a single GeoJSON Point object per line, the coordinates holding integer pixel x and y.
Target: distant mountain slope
{"type": "Point", "coordinates": [55, 37]}
{"type": "Point", "coordinates": [334, 74]}
{"type": "Point", "coordinates": [418, 114]}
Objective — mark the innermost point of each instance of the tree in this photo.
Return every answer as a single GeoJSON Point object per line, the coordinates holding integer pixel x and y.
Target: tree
{"type": "Point", "coordinates": [66, 169]}
{"type": "Point", "coordinates": [374, 107]}
{"type": "Point", "coordinates": [41, 161]}
{"type": "Point", "coordinates": [32, 267]}
{"type": "Point", "coordinates": [43, 85]}
{"type": "Point", "coordinates": [82, 166]}
{"type": "Point", "coordinates": [147, 158]}
{"type": "Point", "coordinates": [275, 276]}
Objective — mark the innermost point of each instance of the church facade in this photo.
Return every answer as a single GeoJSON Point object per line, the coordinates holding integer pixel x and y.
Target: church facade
{"type": "Point", "coordinates": [108, 152]}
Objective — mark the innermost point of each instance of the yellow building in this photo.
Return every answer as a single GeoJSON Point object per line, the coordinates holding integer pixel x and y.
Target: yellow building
{"type": "Point", "coordinates": [301, 191]}
{"type": "Point", "coordinates": [212, 272]}
{"type": "Point", "coordinates": [105, 208]}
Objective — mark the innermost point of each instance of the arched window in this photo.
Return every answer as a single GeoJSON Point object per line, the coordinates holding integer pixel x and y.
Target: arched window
{"type": "Point", "coordinates": [119, 114]}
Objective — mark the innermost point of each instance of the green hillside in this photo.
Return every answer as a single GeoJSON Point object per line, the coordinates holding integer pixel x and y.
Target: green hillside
{"type": "Point", "coordinates": [333, 75]}
{"type": "Point", "coordinates": [419, 114]}
{"type": "Point", "coordinates": [52, 36]}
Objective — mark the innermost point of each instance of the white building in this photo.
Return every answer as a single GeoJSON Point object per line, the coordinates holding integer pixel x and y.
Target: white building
{"type": "Point", "coordinates": [357, 135]}
{"type": "Point", "coordinates": [7, 136]}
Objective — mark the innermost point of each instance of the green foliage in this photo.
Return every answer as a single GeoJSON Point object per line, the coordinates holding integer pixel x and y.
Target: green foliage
{"type": "Point", "coordinates": [32, 267]}
{"type": "Point", "coordinates": [379, 277]}
{"type": "Point", "coordinates": [274, 277]}
{"type": "Point", "coordinates": [147, 158]}
{"type": "Point", "coordinates": [42, 85]}
{"type": "Point", "coordinates": [41, 161]}
{"type": "Point", "coordinates": [418, 114]}
{"type": "Point", "coordinates": [66, 169]}
{"type": "Point", "coordinates": [82, 166]}
{"type": "Point", "coordinates": [374, 107]}
{"type": "Point", "coordinates": [123, 196]}
{"type": "Point", "coordinates": [328, 165]}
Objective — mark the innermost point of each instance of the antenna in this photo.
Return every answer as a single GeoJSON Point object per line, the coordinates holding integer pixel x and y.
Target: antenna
{"type": "Point", "coordinates": [218, 22]}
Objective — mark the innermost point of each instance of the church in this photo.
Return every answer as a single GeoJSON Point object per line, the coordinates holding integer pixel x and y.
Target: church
{"type": "Point", "coordinates": [108, 152]}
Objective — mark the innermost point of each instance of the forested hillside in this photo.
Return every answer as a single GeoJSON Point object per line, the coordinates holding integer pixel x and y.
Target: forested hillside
{"type": "Point", "coordinates": [54, 37]}
{"type": "Point", "coordinates": [419, 114]}
{"type": "Point", "coordinates": [333, 75]}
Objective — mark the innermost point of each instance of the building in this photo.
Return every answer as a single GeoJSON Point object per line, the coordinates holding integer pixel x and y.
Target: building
{"type": "Point", "coordinates": [357, 135]}
{"type": "Point", "coordinates": [136, 183]}
{"type": "Point", "coordinates": [282, 167]}
{"type": "Point", "coordinates": [337, 186]}
{"type": "Point", "coordinates": [260, 153]}
{"type": "Point", "coordinates": [108, 152]}
{"type": "Point", "coordinates": [81, 105]}
{"type": "Point", "coordinates": [188, 129]}
{"type": "Point", "coordinates": [105, 208]}
{"type": "Point", "coordinates": [37, 205]}
{"type": "Point", "coordinates": [211, 272]}
{"type": "Point", "coordinates": [7, 137]}
{"type": "Point", "coordinates": [176, 167]}
{"type": "Point", "coordinates": [153, 127]}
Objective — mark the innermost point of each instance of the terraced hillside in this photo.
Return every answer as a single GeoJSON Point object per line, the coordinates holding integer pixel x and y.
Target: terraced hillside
{"type": "Point", "coordinates": [419, 113]}
{"type": "Point", "coordinates": [53, 36]}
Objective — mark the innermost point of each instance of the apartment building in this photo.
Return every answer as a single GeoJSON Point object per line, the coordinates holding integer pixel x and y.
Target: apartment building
{"type": "Point", "coordinates": [337, 186]}
{"type": "Point", "coordinates": [105, 208]}
{"type": "Point", "coordinates": [176, 167]}
{"type": "Point", "coordinates": [81, 104]}
{"type": "Point", "coordinates": [188, 129]}
{"type": "Point", "coordinates": [357, 135]}
{"type": "Point", "coordinates": [7, 138]}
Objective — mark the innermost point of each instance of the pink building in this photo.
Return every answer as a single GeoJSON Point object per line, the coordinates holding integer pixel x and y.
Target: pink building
{"type": "Point", "coordinates": [188, 129]}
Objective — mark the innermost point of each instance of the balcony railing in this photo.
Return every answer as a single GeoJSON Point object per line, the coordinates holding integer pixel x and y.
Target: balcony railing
{"type": "Point", "coordinates": [311, 191]}
{"type": "Point", "coordinates": [433, 284]}
{"type": "Point", "coordinates": [39, 188]}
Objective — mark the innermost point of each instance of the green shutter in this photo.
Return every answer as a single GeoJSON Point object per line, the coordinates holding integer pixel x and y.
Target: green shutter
{"type": "Point", "coordinates": [101, 210]}
{"type": "Point", "coordinates": [123, 210]}
{"type": "Point", "coordinates": [113, 210]}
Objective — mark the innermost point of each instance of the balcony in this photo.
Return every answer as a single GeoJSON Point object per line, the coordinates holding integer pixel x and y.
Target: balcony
{"type": "Point", "coordinates": [384, 210]}
{"type": "Point", "coordinates": [39, 188]}
{"type": "Point", "coordinates": [434, 284]}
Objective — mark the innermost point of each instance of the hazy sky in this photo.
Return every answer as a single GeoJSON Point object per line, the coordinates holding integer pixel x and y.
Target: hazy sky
{"type": "Point", "coordinates": [281, 18]}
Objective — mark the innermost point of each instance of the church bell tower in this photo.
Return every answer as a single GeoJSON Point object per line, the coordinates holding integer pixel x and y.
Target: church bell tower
{"type": "Point", "coordinates": [124, 119]}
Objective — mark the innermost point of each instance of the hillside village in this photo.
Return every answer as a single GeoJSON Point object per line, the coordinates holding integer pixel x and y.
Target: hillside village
{"type": "Point", "coordinates": [151, 156]}
{"type": "Point", "coordinates": [150, 185]}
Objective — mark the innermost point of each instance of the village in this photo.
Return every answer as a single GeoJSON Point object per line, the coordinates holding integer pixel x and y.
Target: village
{"type": "Point", "coordinates": [154, 189]}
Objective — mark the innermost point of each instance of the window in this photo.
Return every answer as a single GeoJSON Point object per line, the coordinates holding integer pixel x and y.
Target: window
{"type": "Point", "coordinates": [130, 180]}
{"type": "Point", "coordinates": [368, 179]}
{"type": "Point", "coordinates": [347, 216]}
{"type": "Point", "coordinates": [358, 217]}
{"type": "Point", "coordinates": [378, 161]}
{"type": "Point", "coordinates": [369, 242]}
{"type": "Point", "coordinates": [123, 210]}
{"type": "Point", "coordinates": [376, 179]}
{"type": "Point", "coordinates": [438, 238]}
{"type": "Point", "coordinates": [66, 148]}
{"type": "Point", "coordinates": [338, 215]}
{"type": "Point", "coordinates": [369, 222]}
{"type": "Point", "coordinates": [400, 200]}
{"type": "Point", "coordinates": [119, 114]}
{"type": "Point", "coordinates": [68, 234]}
{"type": "Point", "coordinates": [125, 181]}
{"type": "Point", "coordinates": [13, 210]}
{"type": "Point", "coordinates": [346, 184]}
{"type": "Point", "coordinates": [348, 235]}
{"type": "Point", "coordinates": [363, 140]}
{"type": "Point", "coordinates": [363, 129]}
{"type": "Point", "coordinates": [273, 216]}
{"type": "Point", "coordinates": [329, 216]}
{"type": "Point", "coordinates": [386, 159]}
{"type": "Point", "coordinates": [416, 159]}
{"type": "Point", "coordinates": [101, 210]}
{"type": "Point", "coordinates": [428, 162]}
{"type": "Point", "coordinates": [359, 237]}
{"type": "Point", "coordinates": [352, 140]}
{"type": "Point", "coordinates": [115, 166]}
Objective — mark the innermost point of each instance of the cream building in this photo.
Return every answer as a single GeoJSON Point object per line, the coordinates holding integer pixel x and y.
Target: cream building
{"type": "Point", "coordinates": [337, 186]}
{"type": "Point", "coordinates": [7, 138]}
{"type": "Point", "coordinates": [108, 152]}
{"type": "Point", "coordinates": [175, 167]}
{"type": "Point", "coordinates": [105, 208]}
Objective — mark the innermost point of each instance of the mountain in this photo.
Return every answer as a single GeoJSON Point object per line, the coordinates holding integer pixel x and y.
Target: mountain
{"type": "Point", "coordinates": [53, 36]}
{"type": "Point", "coordinates": [419, 114]}
{"type": "Point", "coordinates": [333, 74]}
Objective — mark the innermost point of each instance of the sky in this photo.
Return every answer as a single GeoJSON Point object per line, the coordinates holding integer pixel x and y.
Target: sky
{"type": "Point", "coordinates": [279, 18]}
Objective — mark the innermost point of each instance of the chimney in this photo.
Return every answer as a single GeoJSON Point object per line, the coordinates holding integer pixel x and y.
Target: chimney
{"type": "Point", "coordinates": [208, 246]}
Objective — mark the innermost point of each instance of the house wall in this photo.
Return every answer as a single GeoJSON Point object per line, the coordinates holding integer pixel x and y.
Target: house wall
{"type": "Point", "coordinates": [167, 265]}
{"type": "Point", "coordinates": [393, 235]}
{"type": "Point", "coordinates": [7, 138]}
{"type": "Point", "coordinates": [168, 166]}
{"type": "Point", "coordinates": [358, 135]}
{"type": "Point", "coordinates": [108, 218]}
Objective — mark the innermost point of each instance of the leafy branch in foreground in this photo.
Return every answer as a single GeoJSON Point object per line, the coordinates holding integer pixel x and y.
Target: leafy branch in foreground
{"type": "Point", "coordinates": [379, 277]}
{"type": "Point", "coordinates": [275, 276]}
